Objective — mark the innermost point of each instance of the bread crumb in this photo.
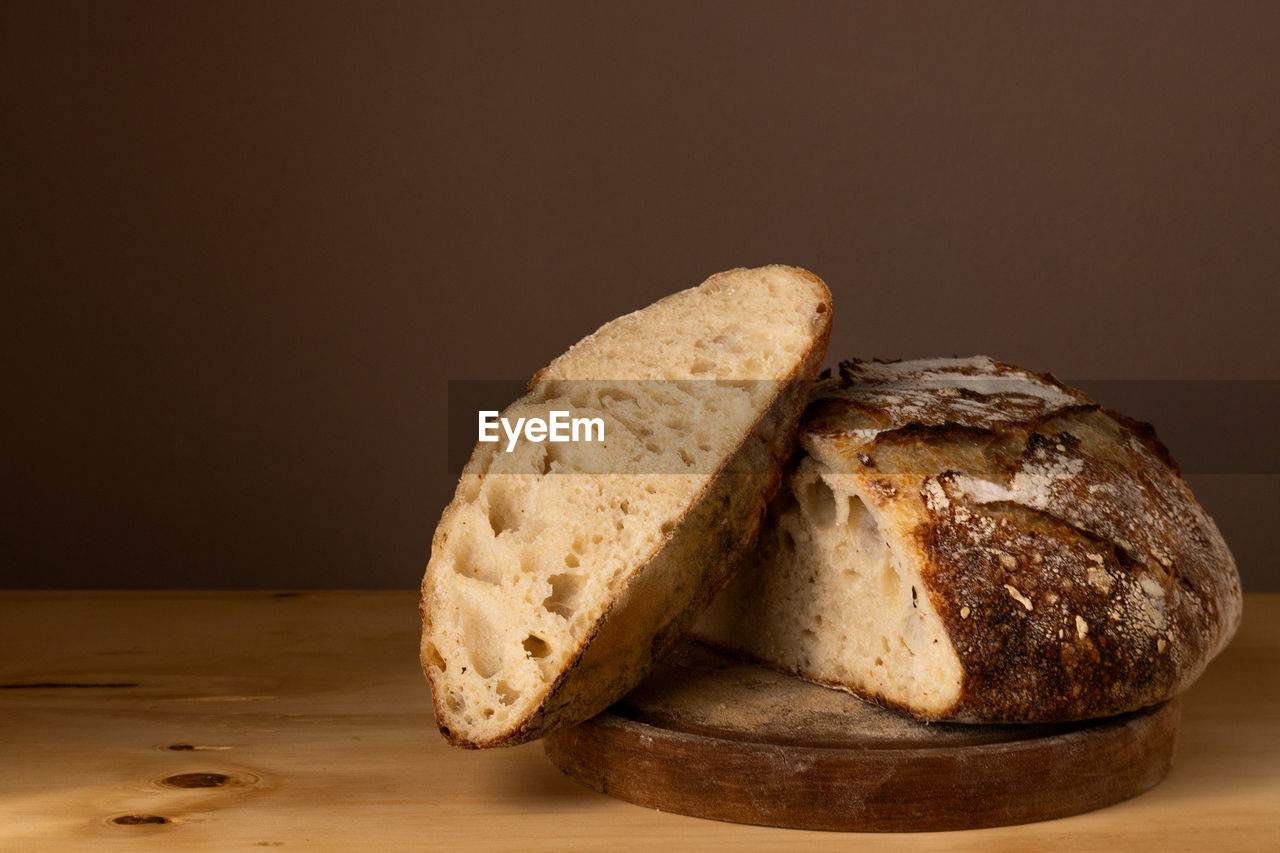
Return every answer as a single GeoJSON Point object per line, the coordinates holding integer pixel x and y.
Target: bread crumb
{"type": "Point", "coordinates": [880, 490]}
{"type": "Point", "coordinates": [935, 497]}
{"type": "Point", "coordinates": [1018, 597]}
{"type": "Point", "coordinates": [1082, 627]}
{"type": "Point", "coordinates": [964, 612]}
{"type": "Point", "coordinates": [1100, 580]}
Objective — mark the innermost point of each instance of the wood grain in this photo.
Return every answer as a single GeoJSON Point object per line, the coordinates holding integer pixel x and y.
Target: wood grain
{"type": "Point", "coordinates": [314, 709]}
{"type": "Point", "coordinates": [711, 736]}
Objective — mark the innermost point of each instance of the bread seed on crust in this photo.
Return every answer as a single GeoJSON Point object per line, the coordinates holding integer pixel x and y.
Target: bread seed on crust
{"type": "Point", "coordinates": [1019, 597]}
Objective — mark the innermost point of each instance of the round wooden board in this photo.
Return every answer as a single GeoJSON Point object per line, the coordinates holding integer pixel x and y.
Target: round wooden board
{"type": "Point", "coordinates": [711, 736]}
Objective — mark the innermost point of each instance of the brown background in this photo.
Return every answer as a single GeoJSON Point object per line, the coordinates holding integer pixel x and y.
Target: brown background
{"type": "Point", "coordinates": [246, 245]}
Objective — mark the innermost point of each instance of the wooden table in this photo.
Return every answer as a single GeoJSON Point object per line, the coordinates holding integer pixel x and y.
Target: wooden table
{"type": "Point", "coordinates": [301, 720]}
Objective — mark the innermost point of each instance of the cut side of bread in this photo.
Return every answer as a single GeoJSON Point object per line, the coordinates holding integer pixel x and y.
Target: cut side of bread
{"type": "Point", "coordinates": [559, 573]}
{"type": "Point", "coordinates": [967, 541]}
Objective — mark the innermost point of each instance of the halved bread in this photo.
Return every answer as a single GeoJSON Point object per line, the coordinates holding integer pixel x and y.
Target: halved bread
{"type": "Point", "coordinates": [560, 573]}
{"type": "Point", "coordinates": [967, 541]}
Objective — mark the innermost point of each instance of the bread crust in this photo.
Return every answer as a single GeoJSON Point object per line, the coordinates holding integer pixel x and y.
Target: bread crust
{"type": "Point", "coordinates": [687, 567]}
{"type": "Point", "coordinates": [1074, 571]}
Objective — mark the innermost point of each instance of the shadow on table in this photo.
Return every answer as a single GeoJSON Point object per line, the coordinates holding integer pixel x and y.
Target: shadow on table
{"type": "Point", "coordinates": [539, 782]}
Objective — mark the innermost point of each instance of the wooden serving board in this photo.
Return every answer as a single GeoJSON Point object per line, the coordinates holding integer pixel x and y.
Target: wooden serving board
{"type": "Point", "coordinates": [711, 736]}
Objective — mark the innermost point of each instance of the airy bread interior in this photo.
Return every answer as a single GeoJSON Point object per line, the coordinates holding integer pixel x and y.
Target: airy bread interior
{"type": "Point", "coordinates": [538, 542]}
{"type": "Point", "coordinates": [827, 597]}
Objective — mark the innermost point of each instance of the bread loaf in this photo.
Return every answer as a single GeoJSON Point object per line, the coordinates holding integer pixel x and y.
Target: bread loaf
{"type": "Point", "coordinates": [559, 573]}
{"type": "Point", "coordinates": [967, 541]}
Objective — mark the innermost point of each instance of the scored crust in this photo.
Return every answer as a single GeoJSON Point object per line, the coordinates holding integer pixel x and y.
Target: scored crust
{"type": "Point", "coordinates": [1042, 557]}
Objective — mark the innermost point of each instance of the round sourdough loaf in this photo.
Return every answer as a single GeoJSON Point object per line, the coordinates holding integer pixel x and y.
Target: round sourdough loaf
{"type": "Point", "coordinates": [967, 541]}
{"type": "Point", "coordinates": [560, 573]}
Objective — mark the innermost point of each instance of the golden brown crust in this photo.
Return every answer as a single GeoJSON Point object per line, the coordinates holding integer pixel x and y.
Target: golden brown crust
{"type": "Point", "coordinates": [1072, 568]}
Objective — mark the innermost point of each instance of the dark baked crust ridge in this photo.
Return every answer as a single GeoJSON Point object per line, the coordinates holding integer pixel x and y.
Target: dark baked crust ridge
{"type": "Point", "coordinates": [1038, 663]}
{"type": "Point", "coordinates": [1073, 570]}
